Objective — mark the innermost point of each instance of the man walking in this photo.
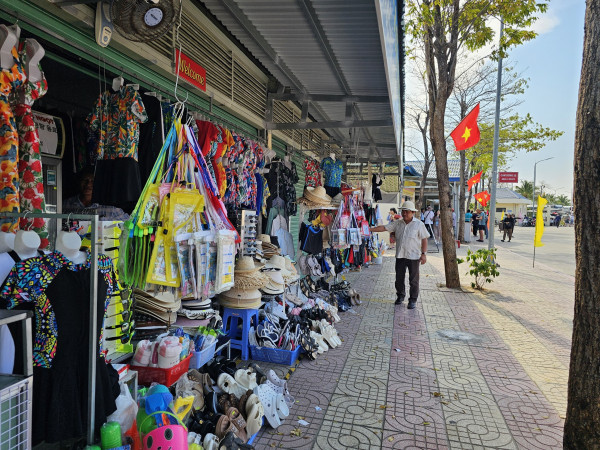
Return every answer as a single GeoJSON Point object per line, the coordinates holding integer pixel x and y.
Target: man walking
{"type": "Point", "coordinates": [428, 220]}
{"type": "Point", "coordinates": [411, 249]}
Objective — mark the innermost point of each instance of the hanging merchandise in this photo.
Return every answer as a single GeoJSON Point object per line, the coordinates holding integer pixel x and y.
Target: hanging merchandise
{"type": "Point", "coordinates": [312, 173]}
{"type": "Point", "coordinates": [12, 77]}
{"type": "Point", "coordinates": [31, 179]}
{"type": "Point", "coordinates": [332, 174]}
{"type": "Point", "coordinates": [116, 117]}
{"type": "Point", "coordinates": [376, 182]}
{"type": "Point", "coordinates": [281, 178]}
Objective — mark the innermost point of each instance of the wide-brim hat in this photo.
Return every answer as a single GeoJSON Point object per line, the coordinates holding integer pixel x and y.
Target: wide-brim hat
{"type": "Point", "coordinates": [273, 288]}
{"type": "Point", "coordinates": [241, 298]}
{"type": "Point", "coordinates": [278, 262]}
{"type": "Point", "coordinates": [409, 206]}
{"type": "Point", "coordinates": [339, 198]}
{"type": "Point", "coordinates": [246, 265]}
{"type": "Point", "coordinates": [264, 238]}
{"type": "Point", "coordinates": [249, 282]}
{"type": "Point", "coordinates": [317, 195]}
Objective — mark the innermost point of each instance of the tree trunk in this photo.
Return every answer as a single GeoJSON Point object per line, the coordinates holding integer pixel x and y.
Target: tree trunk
{"type": "Point", "coordinates": [471, 191]}
{"type": "Point", "coordinates": [582, 425]}
{"type": "Point", "coordinates": [461, 199]}
{"type": "Point", "coordinates": [438, 144]}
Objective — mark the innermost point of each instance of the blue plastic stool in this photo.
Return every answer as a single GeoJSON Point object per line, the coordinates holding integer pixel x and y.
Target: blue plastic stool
{"type": "Point", "coordinates": [230, 327]}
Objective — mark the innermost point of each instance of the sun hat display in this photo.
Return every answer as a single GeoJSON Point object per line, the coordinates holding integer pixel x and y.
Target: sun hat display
{"type": "Point", "coordinates": [409, 205]}
{"type": "Point", "coordinates": [289, 265]}
{"type": "Point", "coordinates": [160, 305]}
{"type": "Point", "coordinates": [276, 284]}
{"type": "Point", "coordinates": [265, 238]}
{"type": "Point", "coordinates": [241, 298]}
{"type": "Point", "coordinates": [278, 262]}
{"type": "Point", "coordinates": [315, 196]}
{"type": "Point", "coordinates": [246, 265]}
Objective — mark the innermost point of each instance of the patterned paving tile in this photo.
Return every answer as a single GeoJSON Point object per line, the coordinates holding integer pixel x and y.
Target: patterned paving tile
{"type": "Point", "coordinates": [336, 434]}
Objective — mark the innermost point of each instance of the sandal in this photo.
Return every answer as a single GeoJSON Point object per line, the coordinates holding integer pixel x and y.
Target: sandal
{"type": "Point", "coordinates": [232, 442]}
{"type": "Point", "coordinates": [236, 418]}
{"type": "Point", "coordinates": [281, 387]}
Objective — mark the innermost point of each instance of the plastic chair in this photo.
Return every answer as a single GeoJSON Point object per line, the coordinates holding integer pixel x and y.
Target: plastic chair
{"type": "Point", "coordinates": [231, 319]}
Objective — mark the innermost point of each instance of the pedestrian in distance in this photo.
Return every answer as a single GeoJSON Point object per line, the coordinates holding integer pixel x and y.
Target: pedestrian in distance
{"type": "Point", "coordinates": [411, 249]}
{"type": "Point", "coordinates": [509, 225]}
{"type": "Point", "coordinates": [392, 215]}
{"type": "Point", "coordinates": [557, 220]}
{"type": "Point", "coordinates": [475, 223]}
{"type": "Point", "coordinates": [436, 225]}
{"type": "Point", "coordinates": [428, 219]}
{"type": "Point", "coordinates": [481, 220]}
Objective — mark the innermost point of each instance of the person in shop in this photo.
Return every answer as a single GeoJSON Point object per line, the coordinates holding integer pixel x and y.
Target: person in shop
{"type": "Point", "coordinates": [83, 200]}
{"type": "Point", "coordinates": [392, 215]}
{"type": "Point", "coordinates": [411, 249]}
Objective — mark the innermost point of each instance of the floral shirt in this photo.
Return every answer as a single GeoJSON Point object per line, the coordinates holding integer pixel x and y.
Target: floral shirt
{"type": "Point", "coordinates": [27, 283]}
{"type": "Point", "coordinates": [332, 169]}
{"type": "Point", "coordinates": [312, 173]}
{"type": "Point", "coordinates": [117, 116]}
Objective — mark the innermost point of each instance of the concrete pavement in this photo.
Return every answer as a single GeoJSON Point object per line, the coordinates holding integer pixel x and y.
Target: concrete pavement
{"type": "Point", "coordinates": [463, 370]}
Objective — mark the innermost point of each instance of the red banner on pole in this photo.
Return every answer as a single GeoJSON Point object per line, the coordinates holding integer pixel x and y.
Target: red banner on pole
{"type": "Point", "coordinates": [508, 177]}
{"type": "Point", "coordinates": [190, 70]}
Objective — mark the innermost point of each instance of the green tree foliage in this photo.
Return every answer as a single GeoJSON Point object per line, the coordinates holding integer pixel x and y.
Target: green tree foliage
{"type": "Point", "coordinates": [442, 28]}
{"type": "Point", "coordinates": [482, 267]}
{"type": "Point", "coordinates": [525, 189]}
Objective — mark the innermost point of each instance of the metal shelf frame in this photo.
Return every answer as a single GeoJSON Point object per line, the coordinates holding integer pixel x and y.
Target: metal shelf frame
{"type": "Point", "coordinates": [93, 329]}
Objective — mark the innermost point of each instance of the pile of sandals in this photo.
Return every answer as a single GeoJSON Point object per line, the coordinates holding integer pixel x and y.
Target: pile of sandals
{"type": "Point", "coordinates": [228, 412]}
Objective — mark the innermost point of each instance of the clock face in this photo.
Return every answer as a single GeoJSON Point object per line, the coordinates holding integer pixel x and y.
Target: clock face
{"type": "Point", "coordinates": [153, 17]}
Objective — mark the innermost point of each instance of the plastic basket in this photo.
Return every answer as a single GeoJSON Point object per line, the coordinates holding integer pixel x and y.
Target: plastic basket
{"type": "Point", "coordinates": [168, 377]}
{"type": "Point", "coordinates": [202, 357]}
{"type": "Point", "coordinates": [274, 355]}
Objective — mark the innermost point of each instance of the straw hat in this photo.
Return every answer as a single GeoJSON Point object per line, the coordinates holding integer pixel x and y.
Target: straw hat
{"type": "Point", "coordinates": [338, 199]}
{"type": "Point", "coordinates": [241, 298]}
{"type": "Point", "coordinates": [278, 262]}
{"type": "Point", "coordinates": [245, 265]}
{"type": "Point", "coordinates": [276, 284]}
{"type": "Point", "coordinates": [316, 195]}
{"type": "Point", "coordinates": [245, 282]}
{"type": "Point", "coordinates": [265, 238]}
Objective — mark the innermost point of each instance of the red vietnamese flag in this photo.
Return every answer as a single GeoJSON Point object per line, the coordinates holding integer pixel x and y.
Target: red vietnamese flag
{"type": "Point", "coordinates": [466, 134]}
{"type": "Point", "coordinates": [475, 179]}
{"type": "Point", "coordinates": [483, 197]}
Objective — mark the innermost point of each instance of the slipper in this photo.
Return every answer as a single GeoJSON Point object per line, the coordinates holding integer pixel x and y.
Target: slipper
{"type": "Point", "coordinates": [281, 386]}
{"type": "Point", "coordinates": [260, 375]}
{"type": "Point", "coordinates": [236, 418]}
{"type": "Point", "coordinates": [228, 384]}
{"type": "Point", "coordinates": [246, 379]}
{"type": "Point", "coordinates": [283, 410]}
{"type": "Point", "coordinates": [232, 442]}
{"type": "Point", "coordinates": [318, 338]}
{"type": "Point", "coordinates": [210, 442]}
{"type": "Point", "coordinates": [255, 419]}
{"type": "Point", "coordinates": [224, 426]}
{"type": "Point", "coordinates": [251, 402]}
{"type": "Point", "coordinates": [268, 399]}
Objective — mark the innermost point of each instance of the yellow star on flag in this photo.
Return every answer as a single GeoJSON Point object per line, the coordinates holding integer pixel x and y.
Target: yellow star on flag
{"type": "Point", "coordinates": [466, 134]}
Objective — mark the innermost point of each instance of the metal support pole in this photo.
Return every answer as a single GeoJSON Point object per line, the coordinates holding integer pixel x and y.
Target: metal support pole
{"type": "Point", "coordinates": [494, 180]}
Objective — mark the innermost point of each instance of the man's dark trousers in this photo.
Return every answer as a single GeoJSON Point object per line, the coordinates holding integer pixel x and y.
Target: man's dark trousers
{"type": "Point", "coordinates": [413, 277]}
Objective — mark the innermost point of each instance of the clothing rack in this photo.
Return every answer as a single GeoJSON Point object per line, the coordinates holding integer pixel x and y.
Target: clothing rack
{"type": "Point", "coordinates": [91, 413]}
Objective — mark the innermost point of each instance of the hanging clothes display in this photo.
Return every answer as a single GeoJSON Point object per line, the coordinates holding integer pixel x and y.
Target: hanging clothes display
{"type": "Point", "coordinates": [11, 78]}
{"type": "Point", "coordinates": [31, 178]}
{"type": "Point", "coordinates": [117, 116]}
{"type": "Point", "coordinates": [312, 173]}
{"type": "Point", "coordinates": [332, 174]}
{"type": "Point", "coordinates": [151, 136]}
{"type": "Point", "coordinates": [376, 181]}
{"type": "Point", "coordinates": [56, 287]}
{"type": "Point", "coordinates": [281, 180]}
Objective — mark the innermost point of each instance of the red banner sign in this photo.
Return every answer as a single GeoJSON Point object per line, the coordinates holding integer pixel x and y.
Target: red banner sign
{"type": "Point", "coordinates": [508, 177]}
{"type": "Point", "coordinates": [190, 70]}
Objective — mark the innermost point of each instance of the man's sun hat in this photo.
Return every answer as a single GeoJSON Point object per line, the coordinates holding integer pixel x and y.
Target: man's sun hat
{"type": "Point", "coordinates": [409, 206]}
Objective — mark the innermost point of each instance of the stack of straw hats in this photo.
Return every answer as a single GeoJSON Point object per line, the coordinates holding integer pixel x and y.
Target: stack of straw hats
{"type": "Point", "coordinates": [315, 197]}
{"type": "Point", "coordinates": [245, 293]}
{"type": "Point", "coordinates": [268, 248]}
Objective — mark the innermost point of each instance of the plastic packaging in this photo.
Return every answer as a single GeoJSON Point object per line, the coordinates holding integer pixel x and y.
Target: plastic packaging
{"type": "Point", "coordinates": [143, 353]}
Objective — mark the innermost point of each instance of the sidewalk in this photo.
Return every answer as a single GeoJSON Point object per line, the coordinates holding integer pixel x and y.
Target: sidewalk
{"type": "Point", "coordinates": [463, 370]}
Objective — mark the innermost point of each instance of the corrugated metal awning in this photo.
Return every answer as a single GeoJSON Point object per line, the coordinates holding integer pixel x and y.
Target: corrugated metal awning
{"type": "Point", "coordinates": [328, 56]}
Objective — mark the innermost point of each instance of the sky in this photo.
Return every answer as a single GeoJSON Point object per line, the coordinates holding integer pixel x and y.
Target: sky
{"type": "Point", "coordinates": [552, 62]}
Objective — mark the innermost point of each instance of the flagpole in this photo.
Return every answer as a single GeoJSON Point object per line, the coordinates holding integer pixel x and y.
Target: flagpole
{"type": "Point", "coordinates": [492, 227]}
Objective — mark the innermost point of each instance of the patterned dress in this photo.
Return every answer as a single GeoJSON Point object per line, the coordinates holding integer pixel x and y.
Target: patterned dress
{"type": "Point", "coordinates": [10, 79]}
{"type": "Point", "coordinates": [31, 177]}
{"type": "Point", "coordinates": [27, 283]}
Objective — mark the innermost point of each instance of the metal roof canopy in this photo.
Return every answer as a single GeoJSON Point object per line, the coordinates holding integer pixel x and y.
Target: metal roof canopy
{"type": "Point", "coordinates": [327, 55]}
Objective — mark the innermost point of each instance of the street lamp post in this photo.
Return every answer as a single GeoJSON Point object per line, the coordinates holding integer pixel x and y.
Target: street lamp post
{"type": "Point", "coordinates": [534, 174]}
